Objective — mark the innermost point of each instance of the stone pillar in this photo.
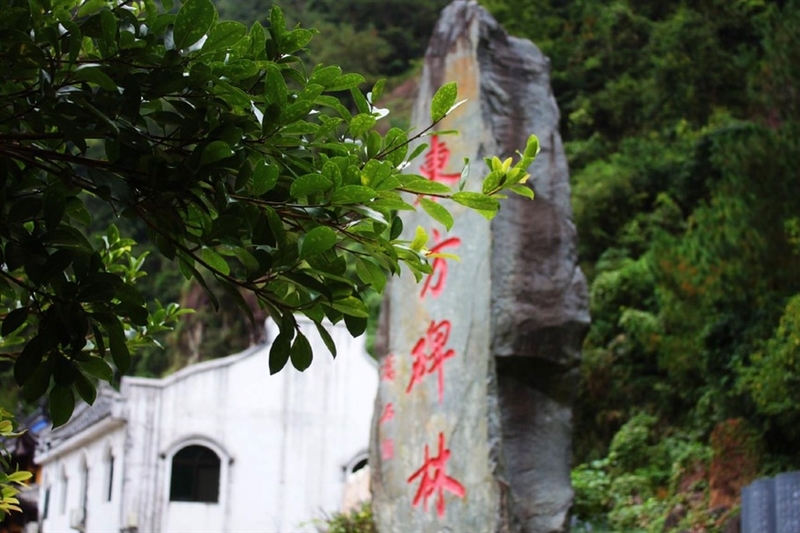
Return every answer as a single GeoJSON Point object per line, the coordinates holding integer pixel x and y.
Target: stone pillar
{"type": "Point", "coordinates": [472, 424]}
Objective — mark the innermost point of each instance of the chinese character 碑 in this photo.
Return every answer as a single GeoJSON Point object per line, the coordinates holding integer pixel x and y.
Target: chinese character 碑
{"type": "Point", "coordinates": [430, 354]}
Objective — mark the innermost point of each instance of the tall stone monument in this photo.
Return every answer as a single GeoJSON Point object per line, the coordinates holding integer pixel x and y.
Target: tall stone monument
{"type": "Point", "coordinates": [472, 424]}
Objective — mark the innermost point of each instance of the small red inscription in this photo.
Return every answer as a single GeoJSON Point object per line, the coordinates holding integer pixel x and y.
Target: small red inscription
{"type": "Point", "coordinates": [435, 282]}
{"type": "Point", "coordinates": [434, 480]}
{"type": "Point", "coordinates": [387, 449]}
{"type": "Point", "coordinates": [387, 369]}
{"type": "Point", "coordinates": [435, 161]}
{"type": "Point", "coordinates": [430, 354]}
{"type": "Point", "coordinates": [388, 413]}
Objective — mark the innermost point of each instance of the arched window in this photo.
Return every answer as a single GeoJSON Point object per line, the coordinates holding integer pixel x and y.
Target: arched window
{"type": "Point", "coordinates": [195, 475]}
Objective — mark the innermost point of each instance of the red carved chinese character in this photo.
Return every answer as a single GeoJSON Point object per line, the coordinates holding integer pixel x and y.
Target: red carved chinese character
{"type": "Point", "coordinates": [434, 480]}
{"type": "Point", "coordinates": [430, 354]}
{"type": "Point", "coordinates": [435, 160]}
{"type": "Point", "coordinates": [387, 370]}
{"type": "Point", "coordinates": [388, 413]}
{"type": "Point", "coordinates": [387, 449]}
{"type": "Point", "coordinates": [439, 265]}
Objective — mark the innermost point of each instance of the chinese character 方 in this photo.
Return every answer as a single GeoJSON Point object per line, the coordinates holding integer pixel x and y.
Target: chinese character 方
{"type": "Point", "coordinates": [436, 280]}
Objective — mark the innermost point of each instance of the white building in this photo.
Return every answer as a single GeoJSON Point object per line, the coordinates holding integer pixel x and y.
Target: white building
{"type": "Point", "coordinates": [220, 446]}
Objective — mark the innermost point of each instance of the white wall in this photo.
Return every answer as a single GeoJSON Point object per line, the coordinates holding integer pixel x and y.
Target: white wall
{"type": "Point", "coordinates": [69, 464]}
{"type": "Point", "coordinates": [283, 441]}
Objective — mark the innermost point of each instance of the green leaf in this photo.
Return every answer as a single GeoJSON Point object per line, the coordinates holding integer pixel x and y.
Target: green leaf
{"type": "Point", "coordinates": [94, 74]}
{"type": "Point", "coordinates": [522, 190]}
{"type": "Point", "coordinates": [295, 40]}
{"type": "Point", "coordinates": [91, 7]}
{"type": "Point", "coordinates": [418, 150]}
{"type": "Point", "coordinates": [476, 200]}
{"type": "Point", "coordinates": [493, 181]}
{"type": "Point", "coordinates": [326, 338]}
{"type": "Point", "coordinates": [420, 238]}
{"type": "Point", "coordinates": [309, 184]}
{"type": "Point", "coordinates": [532, 147]}
{"type": "Point", "coordinates": [397, 228]}
{"type": "Point", "coordinates": [265, 177]}
{"type": "Point", "coordinates": [14, 320]}
{"type": "Point", "coordinates": [437, 212]}
{"type": "Point", "coordinates": [377, 90]}
{"type": "Point", "coordinates": [378, 276]}
{"type": "Point", "coordinates": [108, 23]}
{"type": "Point", "coordinates": [361, 124]}
{"type": "Point", "coordinates": [29, 360]}
{"type": "Point", "coordinates": [118, 344]}
{"type": "Point", "coordinates": [224, 35]}
{"type": "Point", "coordinates": [301, 352]}
{"type": "Point", "coordinates": [247, 259]}
{"type": "Point", "coordinates": [215, 261]}
{"type": "Point", "coordinates": [277, 23]}
{"type": "Point", "coordinates": [275, 90]}
{"type": "Point", "coordinates": [61, 404]}
{"type": "Point", "coordinates": [215, 151]}
{"type": "Point", "coordinates": [279, 352]}
{"type": "Point", "coordinates": [325, 76]}
{"type": "Point", "coordinates": [194, 20]}
{"type": "Point", "coordinates": [396, 146]}
{"type": "Point", "coordinates": [344, 82]}
{"type": "Point", "coordinates": [86, 389]}
{"type": "Point", "coordinates": [97, 367]}
{"type": "Point", "coordinates": [54, 205]}
{"type": "Point", "coordinates": [316, 241]}
{"type": "Point", "coordinates": [352, 194]}
{"type": "Point", "coordinates": [425, 186]}
{"type": "Point", "coordinates": [443, 100]}
{"type": "Point", "coordinates": [355, 325]}
{"type": "Point", "coordinates": [296, 111]}
{"type": "Point", "coordinates": [351, 306]}
{"type": "Point", "coordinates": [258, 42]}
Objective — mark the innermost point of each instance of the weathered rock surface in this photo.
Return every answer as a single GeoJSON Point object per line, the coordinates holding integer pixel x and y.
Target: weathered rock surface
{"type": "Point", "coordinates": [515, 307]}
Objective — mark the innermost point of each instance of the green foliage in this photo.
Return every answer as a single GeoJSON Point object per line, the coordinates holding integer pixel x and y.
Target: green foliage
{"type": "Point", "coordinates": [685, 199]}
{"type": "Point", "coordinates": [358, 520]}
{"type": "Point", "coordinates": [773, 378]}
{"type": "Point", "coordinates": [243, 164]}
{"type": "Point", "coordinates": [646, 474]}
{"type": "Point", "coordinates": [10, 481]}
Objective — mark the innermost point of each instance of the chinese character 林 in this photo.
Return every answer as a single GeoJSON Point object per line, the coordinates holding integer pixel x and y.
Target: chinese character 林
{"type": "Point", "coordinates": [434, 480]}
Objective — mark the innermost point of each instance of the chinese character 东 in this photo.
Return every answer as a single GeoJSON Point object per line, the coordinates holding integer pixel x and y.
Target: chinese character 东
{"type": "Point", "coordinates": [430, 354]}
{"type": "Point", "coordinates": [439, 266]}
{"type": "Point", "coordinates": [434, 480]}
{"type": "Point", "coordinates": [435, 161]}
{"type": "Point", "coordinates": [387, 369]}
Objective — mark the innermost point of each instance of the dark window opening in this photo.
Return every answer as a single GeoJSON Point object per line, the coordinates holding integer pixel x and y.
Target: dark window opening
{"type": "Point", "coordinates": [195, 475]}
{"type": "Point", "coordinates": [46, 506]}
{"type": "Point", "coordinates": [110, 477]}
{"type": "Point", "coordinates": [359, 465]}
